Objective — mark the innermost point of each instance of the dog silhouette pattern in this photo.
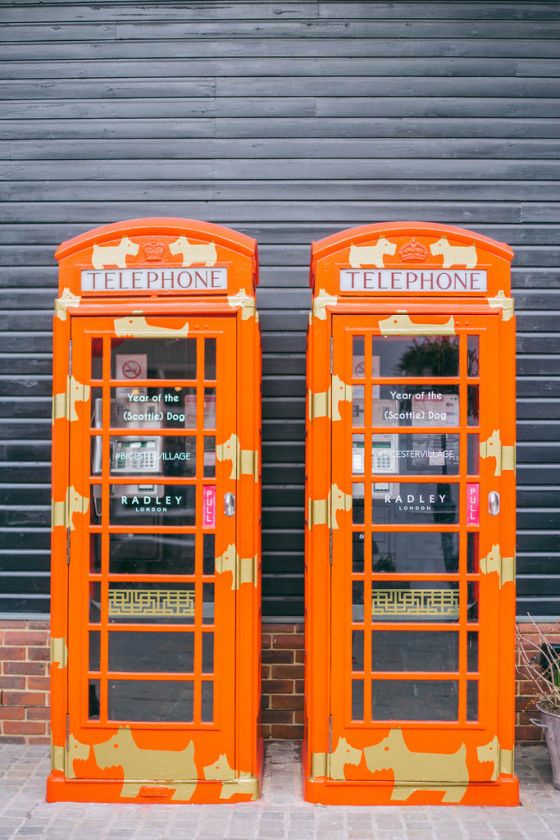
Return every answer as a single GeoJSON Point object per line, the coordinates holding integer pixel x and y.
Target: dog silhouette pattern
{"type": "Point", "coordinates": [108, 255]}
{"type": "Point", "coordinates": [204, 254]}
{"type": "Point", "coordinates": [371, 254]}
{"type": "Point", "coordinates": [454, 254]}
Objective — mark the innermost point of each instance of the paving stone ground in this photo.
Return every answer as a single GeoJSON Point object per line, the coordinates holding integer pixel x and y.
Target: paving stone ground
{"type": "Point", "coordinates": [281, 814]}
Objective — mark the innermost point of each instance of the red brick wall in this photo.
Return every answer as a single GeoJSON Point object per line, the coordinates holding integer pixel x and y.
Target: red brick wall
{"type": "Point", "coordinates": [24, 654]}
{"type": "Point", "coordinates": [24, 681]}
{"type": "Point", "coordinates": [524, 689]}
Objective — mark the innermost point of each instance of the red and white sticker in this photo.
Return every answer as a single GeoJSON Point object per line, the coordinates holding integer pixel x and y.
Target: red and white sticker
{"type": "Point", "coordinates": [473, 504]}
{"type": "Point", "coordinates": [209, 506]}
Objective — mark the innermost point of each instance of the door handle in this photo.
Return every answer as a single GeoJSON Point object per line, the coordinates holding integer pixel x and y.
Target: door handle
{"type": "Point", "coordinates": [229, 504]}
{"type": "Point", "coordinates": [493, 503]}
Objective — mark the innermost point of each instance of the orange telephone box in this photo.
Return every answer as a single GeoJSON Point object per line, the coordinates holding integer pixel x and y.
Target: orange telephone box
{"type": "Point", "coordinates": [156, 516]}
{"type": "Point", "coordinates": [410, 536]}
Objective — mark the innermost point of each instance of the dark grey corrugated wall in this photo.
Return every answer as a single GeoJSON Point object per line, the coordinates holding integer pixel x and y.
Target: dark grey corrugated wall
{"type": "Point", "coordinates": [286, 120]}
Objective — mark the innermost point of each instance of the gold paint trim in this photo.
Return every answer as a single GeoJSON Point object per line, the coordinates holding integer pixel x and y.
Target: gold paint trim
{"type": "Point", "coordinates": [507, 761]}
{"type": "Point", "coordinates": [317, 512]}
{"type": "Point", "coordinates": [243, 461]}
{"type": "Point", "coordinates": [340, 392]}
{"type": "Point", "coordinates": [58, 756]}
{"type": "Point", "coordinates": [318, 765]}
{"type": "Point", "coordinates": [59, 652]}
{"type": "Point", "coordinates": [319, 405]}
{"type": "Point", "coordinates": [245, 784]}
{"type": "Point", "coordinates": [402, 324]}
{"type": "Point", "coordinates": [249, 460]}
{"type": "Point", "coordinates": [64, 404]}
{"type": "Point", "coordinates": [344, 754]}
{"type": "Point", "coordinates": [62, 513]}
{"type": "Point", "coordinates": [247, 568]}
{"type": "Point", "coordinates": [243, 569]}
{"type": "Point", "coordinates": [492, 447]}
{"type": "Point", "coordinates": [490, 752]}
{"type": "Point", "coordinates": [220, 770]}
{"type": "Point", "coordinates": [64, 302]}
{"type": "Point", "coordinates": [494, 562]}
{"type": "Point", "coordinates": [320, 303]}
{"type": "Point", "coordinates": [245, 301]}
{"type": "Point", "coordinates": [137, 327]}
{"type": "Point", "coordinates": [506, 304]}
{"type": "Point", "coordinates": [338, 501]}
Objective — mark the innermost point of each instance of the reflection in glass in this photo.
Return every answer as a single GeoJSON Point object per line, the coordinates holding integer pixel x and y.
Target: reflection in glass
{"type": "Point", "coordinates": [152, 408]}
{"type": "Point", "coordinates": [472, 355]}
{"type": "Point", "coordinates": [97, 358]}
{"type": "Point", "coordinates": [358, 367]}
{"type": "Point", "coordinates": [357, 600]}
{"type": "Point", "coordinates": [208, 603]}
{"type": "Point", "coordinates": [168, 456]}
{"type": "Point", "coordinates": [151, 554]}
{"type": "Point", "coordinates": [152, 603]}
{"type": "Point", "coordinates": [472, 602]}
{"type": "Point", "coordinates": [473, 452]}
{"type": "Point", "coordinates": [209, 456]}
{"type": "Point", "coordinates": [209, 551]}
{"type": "Point", "coordinates": [418, 650]}
{"type": "Point", "coordinates": [473, 415]}
{"type": "Point", "coordinates": [94, 602]}
{"type": "Point", "coordinates": [209, 408]}
{"type": "Point", "coordinates": [189, 406]}
{"type": "Point", "coordinates": [357, 552]}
{"type": "Point", "coordinates": [94, 642]}
{"type": "Point", "coordinates": [153, 358]}
{"type": "Point", "coordinates": [210, 358]}
{"type": "Point", "coordinates": [93, 699]}
{"type": "Point", "coordinates": [357, 405]}
{"type": "Point", "coordinates": [419, 552]}
{"type": "Point", "coordinates": [357, 650]}
{"type": "Point", "coordinates": [414, 700]}
{"type": "Point", "coordinates": [357, 504]}
{"type": "Point", "coordinates": [429, 601]}
{"type": "Point", "coordinates": [151, 652]}
{"type": "Point", "coordinates": [152, 504]}
{"type": "Point", "coordinates": [207, 701]}
{"type": "Point", "coordinates": [416, 405]}
{"type": "Point", "coordinates": [472, 652]}
{"type": "Point", "coordinates": [473, 562]}
{"type": "Point", "coordinates": [432, 454]}
{"type": "Point", "coordinates": [95, 553]}
{"type": "Point", "coordinates": [151, 700]}
{"type": "Point", "coordinates": [418, 356]}
{"type": "Point", "coordinates": [413, 503]}
{"type": "Point", "coordinates": [357, 700]}
{"type": "Point", "coordinates": [472, 700]}
{"type": "Point", "coordinates": [207, 653]}
{"type": "Point", "coordinates": [357, 454]}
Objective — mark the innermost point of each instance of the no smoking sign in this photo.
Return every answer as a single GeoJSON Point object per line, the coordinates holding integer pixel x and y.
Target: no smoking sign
{"type": "Point", "coordinates": [131, 366]}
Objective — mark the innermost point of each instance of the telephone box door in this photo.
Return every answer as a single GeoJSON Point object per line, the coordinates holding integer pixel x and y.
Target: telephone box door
{"type": "Point", "coordinates": [414, 622]}
{"type": "Point", "coordinates": [152, 620]}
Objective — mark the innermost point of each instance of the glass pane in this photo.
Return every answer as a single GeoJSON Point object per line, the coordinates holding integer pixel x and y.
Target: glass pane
{"type": "Point", "coordinates": [472, 554]}
{"type": "Point", "coordinates": [157, 652]}
{"type": "Point", "coordinates": [357, 454]}
{"type": "Point", "coordinates": [415, 454]}
{"type": "Point", "coordinates": [207, 653]}
{"type": "Point", "coordinates": [357, 650]}
{"type": "Point", "coordinates": [357, 405]}
{"type": "Point", "coordinates": [94, 641]}
{"type": "Point", "coordinates": [472, 602]}
{"type": "Point", "coordinates": [96, 408]}
{"type": "Point", "coordinates": [210, 358]}
{"type": "Point", "coordinates": [414, 700]}
{"type": "Point", "coordinates": [153, 358]}
{"type": "Point", "coordinates": [416, 405]}
{"type": "Point", "coordinates": [209, 408]}
{"type": "Point", "coordinates": [95, 552]}
{"type": "Point", "coordinates": [473, 451]}
{"type": "Point", "coordinates": [208, 606]}
{"type": "Point", "coordinates": [472, 355]}
{"type": "Point", "coordinates": [357, 700]}
{"type": "Point", "coordinates": [207, 701]}
{"type": "Point", "coordinates": [151, 408]}
{"type": "Point", "coordinates": [358, 367]}
{"type": "Point", "coordinates": [357, 553]}
{"type": "Point", "coordinates": [151, 554]}
{"type": "Point", "coordinates": [415, 602]}
{"type": "Point", "coordinates": [97, 358]}
{"type": "Point", "coordinates": [472, 418]}
{"type": "Point", "coordinates": [151, 700]}
{"type": "Point", "coordinates": [209, 456]}
{"type": "Point", "coordinates": [153, 603]}
{"type": "Point", "coordinates": [94, 603]}
{"type": "Point", "coordinates": [472, 700]}
{"type": "Point", "coordinates": [358, 504]}
{"type": "Point", "coordinates": [418, 650]}
{"type": "Point", "coordinates": [413, 503]}
{"type": "Point", "coordinates": [93, 699]}
{"type": "Point", "coordinates": [173, 456]}
{"type": "Point", "coordinates": [419, 552]}
{"type": "Point", "coordinates": [209, 554]}
{"type": "Point", "coordinates": [472, 652]}
{"type": "Point", "coordinates": [418, 356]}
{"type": "Point", "coordinates": [357, 600]}
{"type": "Point", "coordinates": [152, 504]}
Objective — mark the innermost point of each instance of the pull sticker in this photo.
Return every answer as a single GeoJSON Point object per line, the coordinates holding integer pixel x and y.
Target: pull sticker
{"type": "Point", "coordinates": [209, 506]}
{"type": "Point", "coordinates": [473, 504]}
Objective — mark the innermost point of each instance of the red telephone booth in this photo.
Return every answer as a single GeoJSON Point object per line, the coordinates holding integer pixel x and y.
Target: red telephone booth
{"type": "Point", "coordinates": [410, 538]}
{"type": "Point", "coordinates": [156, 516]}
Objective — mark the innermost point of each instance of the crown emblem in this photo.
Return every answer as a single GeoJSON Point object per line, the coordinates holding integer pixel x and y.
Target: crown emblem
{"type": "Point", "coordinates": [413, 251]}
{"type": "Point", "coordinates": [153, 251]}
